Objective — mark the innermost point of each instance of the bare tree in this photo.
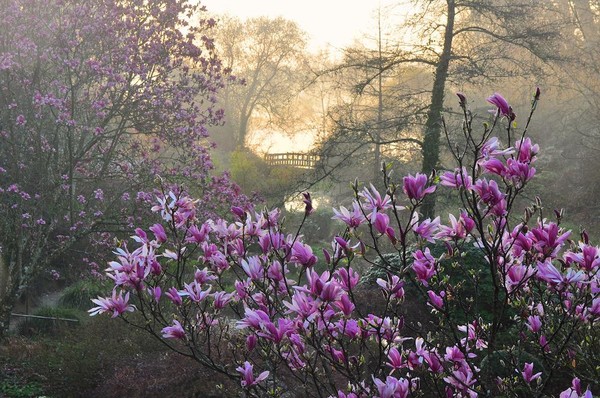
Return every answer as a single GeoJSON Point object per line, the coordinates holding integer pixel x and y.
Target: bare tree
{"type": "Point", "coordinates": [266, 57]}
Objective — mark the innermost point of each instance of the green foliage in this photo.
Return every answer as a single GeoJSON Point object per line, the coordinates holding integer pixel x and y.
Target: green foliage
{"type": "Point", "coordinates": [35, 326]}
{"type": "Point", "coordinates": [317, 228]}
{"type": "Point", "coordinates": [253, 174]}
{"type": "Point", "coordinates": [467, 275]}
{"type": "Point", "coordinates": [12, 389]}
{"type": "Point", "coordinates": [79, 294]}
{"type": "Point", "coordinates": [387, 263]}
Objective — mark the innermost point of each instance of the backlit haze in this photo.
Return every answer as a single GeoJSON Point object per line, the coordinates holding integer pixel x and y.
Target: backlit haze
{"type": "Point", "coordinates": [330, 25]}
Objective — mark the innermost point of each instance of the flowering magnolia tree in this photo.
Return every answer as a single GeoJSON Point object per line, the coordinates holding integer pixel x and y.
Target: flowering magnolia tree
{"type": "Point", "coordinates": [97, 98]}
{"type": "Point", "coordinates": [255, 303]}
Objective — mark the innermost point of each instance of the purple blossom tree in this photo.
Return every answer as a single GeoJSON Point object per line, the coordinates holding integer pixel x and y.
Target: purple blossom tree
{"type": "Point", "coordinates": [255, 303]}
{"type": "Point", "coordinates": [98, 99]}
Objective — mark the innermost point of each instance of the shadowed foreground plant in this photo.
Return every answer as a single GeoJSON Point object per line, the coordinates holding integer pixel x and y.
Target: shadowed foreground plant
{"type": "Point", "coordinates": [243, 297]}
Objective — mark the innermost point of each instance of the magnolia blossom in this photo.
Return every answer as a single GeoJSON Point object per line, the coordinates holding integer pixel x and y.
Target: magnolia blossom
{"type": "Point", "coordinates": [527, 373]}
{"type": "Point", "coordinates": [173, 332]}
{"type": "Point", "coordinates": [353, 218]}
{"type": "Point", "coordinates": [248, 379]}
{"type": "Point", "coordinates": [117, 304]}
{"type": "Point", "coordinates": [415, 187]}
{"type": "Point", "coordinates": [503, 109]}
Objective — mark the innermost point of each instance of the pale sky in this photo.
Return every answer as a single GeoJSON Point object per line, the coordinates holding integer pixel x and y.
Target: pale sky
{"type": "Point", "coordinates": [327, 22]}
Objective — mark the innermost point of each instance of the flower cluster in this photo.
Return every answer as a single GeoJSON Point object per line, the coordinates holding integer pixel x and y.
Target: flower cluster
{"type": "Point", "coordinates": [263, 295]}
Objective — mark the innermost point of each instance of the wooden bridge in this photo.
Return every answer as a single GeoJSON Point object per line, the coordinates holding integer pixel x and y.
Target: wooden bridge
{"type": "Point", "coordinates": [292, 159]}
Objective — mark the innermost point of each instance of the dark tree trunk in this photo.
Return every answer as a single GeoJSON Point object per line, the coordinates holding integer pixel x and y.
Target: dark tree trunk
{"type": "Point", "coordinates": [433, 128]}
{"type": "Point", "coordinates": [10, 271]}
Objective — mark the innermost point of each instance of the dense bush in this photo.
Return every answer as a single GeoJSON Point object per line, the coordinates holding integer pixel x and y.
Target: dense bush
{"type": "Point", "coordinates": [79, 294]}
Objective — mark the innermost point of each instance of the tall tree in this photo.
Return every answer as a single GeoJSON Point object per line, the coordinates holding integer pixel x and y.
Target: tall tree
{"type": "Point", "coordinates": [379, 106]}
{"type": "Point", "coordinates": [266, 57]}
{"type": "Point", "coordinates": [97, 99]}
{"type": "Point", "coordinates": [477, 39]}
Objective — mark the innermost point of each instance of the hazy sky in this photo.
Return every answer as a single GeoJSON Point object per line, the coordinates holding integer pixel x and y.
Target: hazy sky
{"type": "Point", "coordinates": [328, 22]}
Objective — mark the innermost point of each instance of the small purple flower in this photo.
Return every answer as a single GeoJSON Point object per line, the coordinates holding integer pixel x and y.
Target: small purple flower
{"type": "Point", "coordinates": [308, 202]}
{"type": "Point", "coordinates": [527, 373]}
{"type": "Point", "coordinates": [414, 187]}
{"type": "Point", "coordinates": [248, 379]}
{"type": "Point", "coordinates": [436, 300]}
{"type": "Point", "coordinates": [462, 99]}
{"type": "Point", "coordinates": [302, 254]}
{"type": "Point", "coordinates": [503, 108]}
{"type": "Point", "coordinates": [159, 233]}
{"type": "Point", "coordinates": [173, 332]}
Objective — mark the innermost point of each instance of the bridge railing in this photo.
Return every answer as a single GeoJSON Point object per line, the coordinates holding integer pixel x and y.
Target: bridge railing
{"type": "Point", "coordinates": [292, 159]}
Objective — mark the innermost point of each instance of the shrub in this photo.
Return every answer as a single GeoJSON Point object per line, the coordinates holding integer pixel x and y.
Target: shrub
{"type": "Point", "coordinates": [54, 319]}
{"type": "Point", "coordinates": [79, 294]}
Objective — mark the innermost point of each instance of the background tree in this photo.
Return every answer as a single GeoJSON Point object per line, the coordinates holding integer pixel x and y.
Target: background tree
{"type": "Point", "coordinates": [97, 99]}
{"type": "Point", "coordinates": [477, 39]}
{"type": "Point", "coordinates": [266, 57]}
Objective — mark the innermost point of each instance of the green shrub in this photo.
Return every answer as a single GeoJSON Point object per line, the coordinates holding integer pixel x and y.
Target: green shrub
{"type": "Point", "coordinates": [468, 274]}
{"type": "Point", "coordinates": [80, 294]}
{"type": "Point", "coordinates": [12, 389]}
{"type": "Point", "coordinates": [57, 322]}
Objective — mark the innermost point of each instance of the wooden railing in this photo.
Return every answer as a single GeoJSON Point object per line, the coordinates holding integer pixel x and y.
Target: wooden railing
{"type": "Point", "coordinates": [292, 159]}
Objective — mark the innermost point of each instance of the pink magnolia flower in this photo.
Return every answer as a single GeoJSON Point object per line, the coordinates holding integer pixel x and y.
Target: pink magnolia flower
{"type": "Point", "coordinates": [548, 238]}
{"type": "Point", "coordinates": [534, 323]}
{"type": "Point", "coordinates": [254, 319]}
{"type": "Point", "coordinates": [488, 192]}
{"type": "Point", "coordinates": [348, 278]}
{"type": "Point", "coordinates": [436, 300]}
{"type": "Point", "coordinates": [345, 305]}
{"type": "Point", "coordinates": [588, 259]}
{"type": "Point", "coordinates": [548, 273]}
{"type": "Point", "coordinates": [518, 172]}
{"type": "Point", "coordinates": [248, 379]}
{"type": "Point", "coordinates": [575, 391]}
{"type": "Point", "coordinates": [117, 304]}
{"type": "Point", "coordinates": [351, 219]}
{"type": "Point", "coordinates": [454, 354]}
{"type": "Point", "coordinates": [503, 108]}
{"type": "Point", "coordinates": [373, 200]}
{"type": "Point", "coordinates": [517, 277]}
{"type": "Point", "coordinates": [424, 265]}
{"type": "Point", "coordinates": [392, 387]}
{"type": "Point", "coordinates": [173, 332]}
{"type": "Point", "coordinates": [527, 150]}
{"type": "Point", "coordinates": [194, 291]}
{"type": "Point", "coordinates": [393, 286]}
{"type": "Point", "coordinates": [395, 360]}
{"type": "Point", "coordinates": [458, 178]}
{"type": "Point", "coordinates": [253, 268]}
{"type": "Point", "coordinates": [159, 233]}
{"type": "Point", "coordinates": [302, 254]}
{"type": "Point", "coordinates": [426, 229]}
{"type": "Point", "coordinates": [458, 229]}
{"type": "Point", "coordinates": [414, 187]}
{"type": "Point", "coordinates": [173, 295]}
{"type": "Point", "coordinates": [222, 299]}
{"type": "Point", "coordinates": [308, 209]}
{"type": "Point", "coordinates": [527, 373]}
{"type": "Point", "coordinates": [462, 379]}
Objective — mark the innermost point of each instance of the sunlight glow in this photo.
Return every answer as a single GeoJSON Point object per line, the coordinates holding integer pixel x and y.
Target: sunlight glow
{"type": "Point", "coordinates": [330, 24]}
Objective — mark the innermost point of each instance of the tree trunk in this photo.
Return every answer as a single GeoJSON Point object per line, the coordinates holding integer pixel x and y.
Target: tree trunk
{"type": "Point", "coordinates": [9, 284]}
{"type": "Point", "coordinates": [433, 128]}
